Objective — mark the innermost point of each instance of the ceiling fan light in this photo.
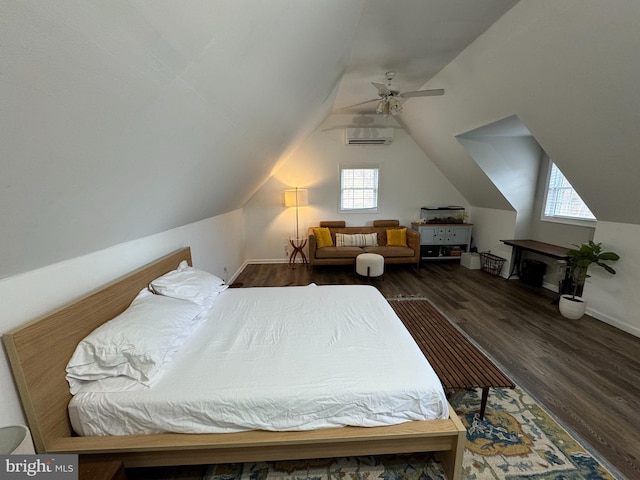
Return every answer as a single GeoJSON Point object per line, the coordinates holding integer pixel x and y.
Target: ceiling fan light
{"type": "Point", "coordinates": [394, 107]}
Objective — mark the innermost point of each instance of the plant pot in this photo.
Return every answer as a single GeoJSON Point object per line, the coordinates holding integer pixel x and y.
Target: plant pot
{"type": "Point", "coordinates": [572, 308]}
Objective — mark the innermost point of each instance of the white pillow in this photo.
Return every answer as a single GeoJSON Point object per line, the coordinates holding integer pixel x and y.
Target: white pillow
{"type": "Point", "coordinates": [188, 283]}
{"type": "Point", "coordinates": [356, 240]}
{"type": "Point", "coordinates": [137, 343]}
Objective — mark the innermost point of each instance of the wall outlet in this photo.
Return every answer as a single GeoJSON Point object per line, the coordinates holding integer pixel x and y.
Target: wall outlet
{"type": "Point", "coordinates": [226, 274]}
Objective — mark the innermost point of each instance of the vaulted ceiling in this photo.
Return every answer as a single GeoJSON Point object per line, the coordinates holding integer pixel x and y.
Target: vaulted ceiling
{"type": "Point", "coordinates": [124, 119]}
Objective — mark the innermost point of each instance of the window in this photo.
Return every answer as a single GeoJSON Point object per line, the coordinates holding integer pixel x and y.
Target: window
{"type": "Point", "coordinates": [359, 188]}
{"type": "Point", "coordinates": [562, 202]}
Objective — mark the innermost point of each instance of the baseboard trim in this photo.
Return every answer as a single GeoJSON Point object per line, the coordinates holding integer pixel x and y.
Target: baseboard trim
{"type": "Point", "coordinates": [259, 261]}
{"type": "Point", "coordinates": [237, 273]}
{"type": "Point", "coordinates": [631, 329]}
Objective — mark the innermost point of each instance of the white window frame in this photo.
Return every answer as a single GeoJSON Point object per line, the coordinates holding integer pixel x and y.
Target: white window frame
{"type": "Point", "coordinates": [376, 189]}
{"type": "Point", "coordinates": [566, 219]}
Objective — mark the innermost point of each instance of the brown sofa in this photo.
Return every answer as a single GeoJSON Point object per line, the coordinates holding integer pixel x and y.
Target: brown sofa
{"type": "Point", "coordinates": [346, 255]}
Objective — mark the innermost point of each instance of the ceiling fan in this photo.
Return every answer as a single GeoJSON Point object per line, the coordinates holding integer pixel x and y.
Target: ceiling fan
{"type": "Point", "coordinates": [388, 103]}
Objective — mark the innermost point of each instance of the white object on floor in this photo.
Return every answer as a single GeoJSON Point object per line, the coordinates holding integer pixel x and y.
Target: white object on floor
{"type": "Point", "coordinates": [370, 264]}
{"type": "Point", "coordinates": [470, 261]}
{"type": "Point", "coordinates": [16, 440]}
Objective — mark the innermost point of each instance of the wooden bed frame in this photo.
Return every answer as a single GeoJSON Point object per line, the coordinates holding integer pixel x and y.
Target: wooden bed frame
{"type": "Point", "coordinates": [39, 351]}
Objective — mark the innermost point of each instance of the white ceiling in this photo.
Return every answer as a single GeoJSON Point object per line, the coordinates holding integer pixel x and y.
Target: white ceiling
{"type": "Point", "coordinates": [413, 38]}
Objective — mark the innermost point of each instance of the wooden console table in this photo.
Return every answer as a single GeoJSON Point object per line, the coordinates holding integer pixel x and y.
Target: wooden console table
{"type": "Point", "coordinates": [541, 248]}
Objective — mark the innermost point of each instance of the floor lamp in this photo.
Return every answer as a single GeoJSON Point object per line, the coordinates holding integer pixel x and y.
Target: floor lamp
{"type": "Point", "coordinates": [296, 197]}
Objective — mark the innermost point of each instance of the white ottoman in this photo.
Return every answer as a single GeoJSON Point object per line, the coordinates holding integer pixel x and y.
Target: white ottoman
{"type": "Point", "coordinates": [370, 265]}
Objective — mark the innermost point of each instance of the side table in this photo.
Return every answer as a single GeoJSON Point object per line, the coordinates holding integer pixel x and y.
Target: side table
{"type": "Point", "coordinates": [298, 245]}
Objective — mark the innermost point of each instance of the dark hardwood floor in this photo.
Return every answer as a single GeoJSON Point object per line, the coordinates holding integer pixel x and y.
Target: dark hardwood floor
{"type": "Point", "coordinates": [585, 372]}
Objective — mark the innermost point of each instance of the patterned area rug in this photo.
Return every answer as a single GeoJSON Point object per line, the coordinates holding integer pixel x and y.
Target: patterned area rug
{"type": "Point", "coordinates": [516, 440]}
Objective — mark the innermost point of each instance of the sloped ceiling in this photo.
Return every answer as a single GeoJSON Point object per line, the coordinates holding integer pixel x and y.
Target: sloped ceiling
{"type": "Point", "coordinates": [123, 119]}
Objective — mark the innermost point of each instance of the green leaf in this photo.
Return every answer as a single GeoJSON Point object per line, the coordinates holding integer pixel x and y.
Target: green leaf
{"type": "Point", "coordinates": [607, 268]}
{"type": "Point", "coordinates": [586, 254]}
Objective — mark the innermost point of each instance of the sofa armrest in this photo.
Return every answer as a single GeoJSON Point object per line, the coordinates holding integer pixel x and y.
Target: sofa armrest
{"type": "Point", "coordinates": [413, 242]}
{"type": "Point", "coordinates": [312, 246]}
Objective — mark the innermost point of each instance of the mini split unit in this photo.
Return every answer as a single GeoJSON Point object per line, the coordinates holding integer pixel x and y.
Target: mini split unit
{"type": "Point", "coordinates": [368, 136]}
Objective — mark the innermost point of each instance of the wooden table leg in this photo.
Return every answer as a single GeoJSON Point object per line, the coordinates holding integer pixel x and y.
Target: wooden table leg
{"type": "Point", "coordinates": [515, 268]}
{"type": "Point", "coordinates": [483, 403]}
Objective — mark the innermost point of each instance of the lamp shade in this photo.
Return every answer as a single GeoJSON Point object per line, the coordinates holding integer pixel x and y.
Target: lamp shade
{"type": "Point", "coordinates": [296, 197]}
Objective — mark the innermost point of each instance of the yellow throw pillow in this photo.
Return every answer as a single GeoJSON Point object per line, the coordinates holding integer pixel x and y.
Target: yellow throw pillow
{"type": "Point", "coordinates": [397, 237]}
{"type": "Point", "coordinates": [323, 237]}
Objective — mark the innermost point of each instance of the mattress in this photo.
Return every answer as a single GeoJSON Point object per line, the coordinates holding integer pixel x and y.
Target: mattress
{"type": "Point", "coordinates": [290, 358]}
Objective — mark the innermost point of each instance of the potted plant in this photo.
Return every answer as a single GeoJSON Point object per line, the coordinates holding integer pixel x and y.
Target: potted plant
{"type": "Point", "coordinates": [580, 259]}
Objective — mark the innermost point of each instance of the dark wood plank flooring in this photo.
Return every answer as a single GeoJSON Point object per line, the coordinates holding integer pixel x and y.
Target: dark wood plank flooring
{"type": "Point", "coordinates": [585, 372]}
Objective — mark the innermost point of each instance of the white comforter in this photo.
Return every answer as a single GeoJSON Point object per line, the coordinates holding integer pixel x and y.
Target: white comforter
{"type": "Point", "coordinates": [291, 358]}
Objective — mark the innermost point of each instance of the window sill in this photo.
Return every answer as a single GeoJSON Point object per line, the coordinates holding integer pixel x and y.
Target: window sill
{"type": "Point", "coordinates": [358, 210]}
{"type": "Point", "coordinates": [570, 221]}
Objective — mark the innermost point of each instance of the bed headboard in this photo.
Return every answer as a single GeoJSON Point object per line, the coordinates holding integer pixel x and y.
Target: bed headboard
{"type": "Point", "coordinates": [40, 350]}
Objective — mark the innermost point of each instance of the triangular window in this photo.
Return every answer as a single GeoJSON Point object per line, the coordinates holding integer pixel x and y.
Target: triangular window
{"type": "Point", "coordinates": [562, 202]}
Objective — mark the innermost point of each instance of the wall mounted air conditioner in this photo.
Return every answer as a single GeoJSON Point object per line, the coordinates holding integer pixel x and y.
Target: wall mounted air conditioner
{"type": "Point", "coordinates": [368, 136]}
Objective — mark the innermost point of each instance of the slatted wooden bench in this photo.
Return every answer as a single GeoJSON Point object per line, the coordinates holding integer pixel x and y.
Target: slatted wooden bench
{"type": "Point", "coordinates": [458, 363]}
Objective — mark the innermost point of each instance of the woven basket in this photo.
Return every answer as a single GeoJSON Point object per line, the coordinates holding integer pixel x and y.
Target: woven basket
{"type": "Point", "coordinates": [491, 263]}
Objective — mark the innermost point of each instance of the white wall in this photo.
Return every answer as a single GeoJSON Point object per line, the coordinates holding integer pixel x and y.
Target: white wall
{"type": "Point", "coordinates": [614, 298]}
{"type": "Point", "coordinates": [215, 243]}
{"type": "Point", "coordinates": [489, 227]}
{"type": "Point", "coordinates": [408, 181]}
{"type": "Point", "coordinates": [512, 164]}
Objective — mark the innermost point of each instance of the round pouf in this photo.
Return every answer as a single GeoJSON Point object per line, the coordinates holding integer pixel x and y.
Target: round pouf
{"type": "Point", "coordinates": [370, 265]}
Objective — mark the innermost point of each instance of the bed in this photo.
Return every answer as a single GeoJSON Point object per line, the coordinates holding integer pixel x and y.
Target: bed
{"type": "Point", "coordinates": [40, 350]}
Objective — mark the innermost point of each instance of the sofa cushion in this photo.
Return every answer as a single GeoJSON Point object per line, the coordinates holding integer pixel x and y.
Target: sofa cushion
{"type": "Point", "coordinates": [323, 237]}
{"type": "Point", "coordinates": [333, 223]}
{"type": "Point", "coordinates": [356, 240]}
{"type": "Point", "coordinates": [386, 223]}
{"type": "Point", "coordinates": [397, 237]}
{"type": "Point", "coordinates": [389, 252]}
{"type": "Point", "coordinates": [339, 252]}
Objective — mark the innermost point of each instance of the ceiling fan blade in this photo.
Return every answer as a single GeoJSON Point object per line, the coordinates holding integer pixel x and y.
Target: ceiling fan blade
{"type": "Point", "coordinates": [382, 89]}
{"type": "Point", "coordinates": [422, 93]}
{"type": "Point", "coordinates": [361, 103]}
